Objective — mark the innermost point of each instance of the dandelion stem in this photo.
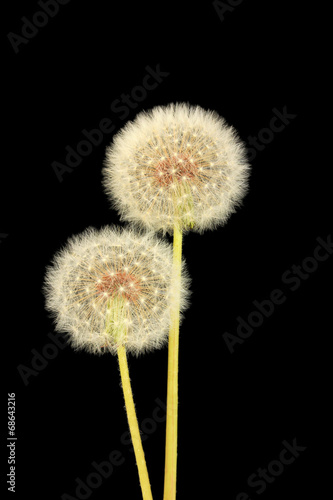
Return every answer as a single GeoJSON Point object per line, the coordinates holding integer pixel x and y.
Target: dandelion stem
{"type": "Point", "coordinates": [170, 476]}
{"type": "Point", "coordinates": [133, 425]}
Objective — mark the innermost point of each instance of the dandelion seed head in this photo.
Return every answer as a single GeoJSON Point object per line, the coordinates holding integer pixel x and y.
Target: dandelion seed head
{"type": "Point", "coordinates": [170, 151]}
{"type": "Point", "coordinates": [112, 301]}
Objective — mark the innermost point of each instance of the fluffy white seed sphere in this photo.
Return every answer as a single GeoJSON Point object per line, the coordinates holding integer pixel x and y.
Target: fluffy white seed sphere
{"type": "Point", "coordinates": [113, 287]}
{"type": "Point", "coordinates": [176, 164]}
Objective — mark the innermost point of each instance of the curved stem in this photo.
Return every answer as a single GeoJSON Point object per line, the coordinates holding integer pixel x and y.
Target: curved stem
{"type": "Point", "coordinates": [170, 476]}
{"type": "Point", "coordinates": [133, 425]}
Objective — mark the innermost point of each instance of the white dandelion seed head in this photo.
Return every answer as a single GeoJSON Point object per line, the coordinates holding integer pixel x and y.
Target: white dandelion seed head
{"type": "Point", "coordinates": [176, 164]}
{"type": "Point", "coordinates": [113, 287]}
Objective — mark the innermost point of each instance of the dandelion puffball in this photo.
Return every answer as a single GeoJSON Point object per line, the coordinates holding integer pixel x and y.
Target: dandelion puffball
{"type": "Point", "coordinates": [176, 165]}
{"type": "Point", "coordinates": [113, 288]}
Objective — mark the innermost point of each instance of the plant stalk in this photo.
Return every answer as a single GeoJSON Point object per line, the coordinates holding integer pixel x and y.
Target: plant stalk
{"type": "Point", "coordinates": [133, 425]}
{"type": "Point", "coordinates": [170, 476]}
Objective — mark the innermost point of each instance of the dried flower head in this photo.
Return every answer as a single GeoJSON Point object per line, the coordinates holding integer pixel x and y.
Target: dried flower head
{"type": "Point", "coordinates": [113, 287]}
{"type": "Point", "coordinates": [176, 165]}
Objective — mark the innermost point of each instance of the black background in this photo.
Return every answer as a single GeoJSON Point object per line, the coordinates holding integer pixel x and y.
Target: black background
{"type": "Point", "coordinates": [235, 410]}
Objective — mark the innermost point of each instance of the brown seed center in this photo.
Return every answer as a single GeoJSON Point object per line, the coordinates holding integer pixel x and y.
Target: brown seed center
{"type": "Point", "coordinates": [121, 283]}
{"type": "Point", "coordinates": [177, 168]}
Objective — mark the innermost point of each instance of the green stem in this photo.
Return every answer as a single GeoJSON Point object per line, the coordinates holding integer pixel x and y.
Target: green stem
{"type": "Point", "coordinates": [116, 326]}
{"type": "Point", "coordinates": [133, 425]}
{"type": "Point", "coordinates": [170, 476]}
